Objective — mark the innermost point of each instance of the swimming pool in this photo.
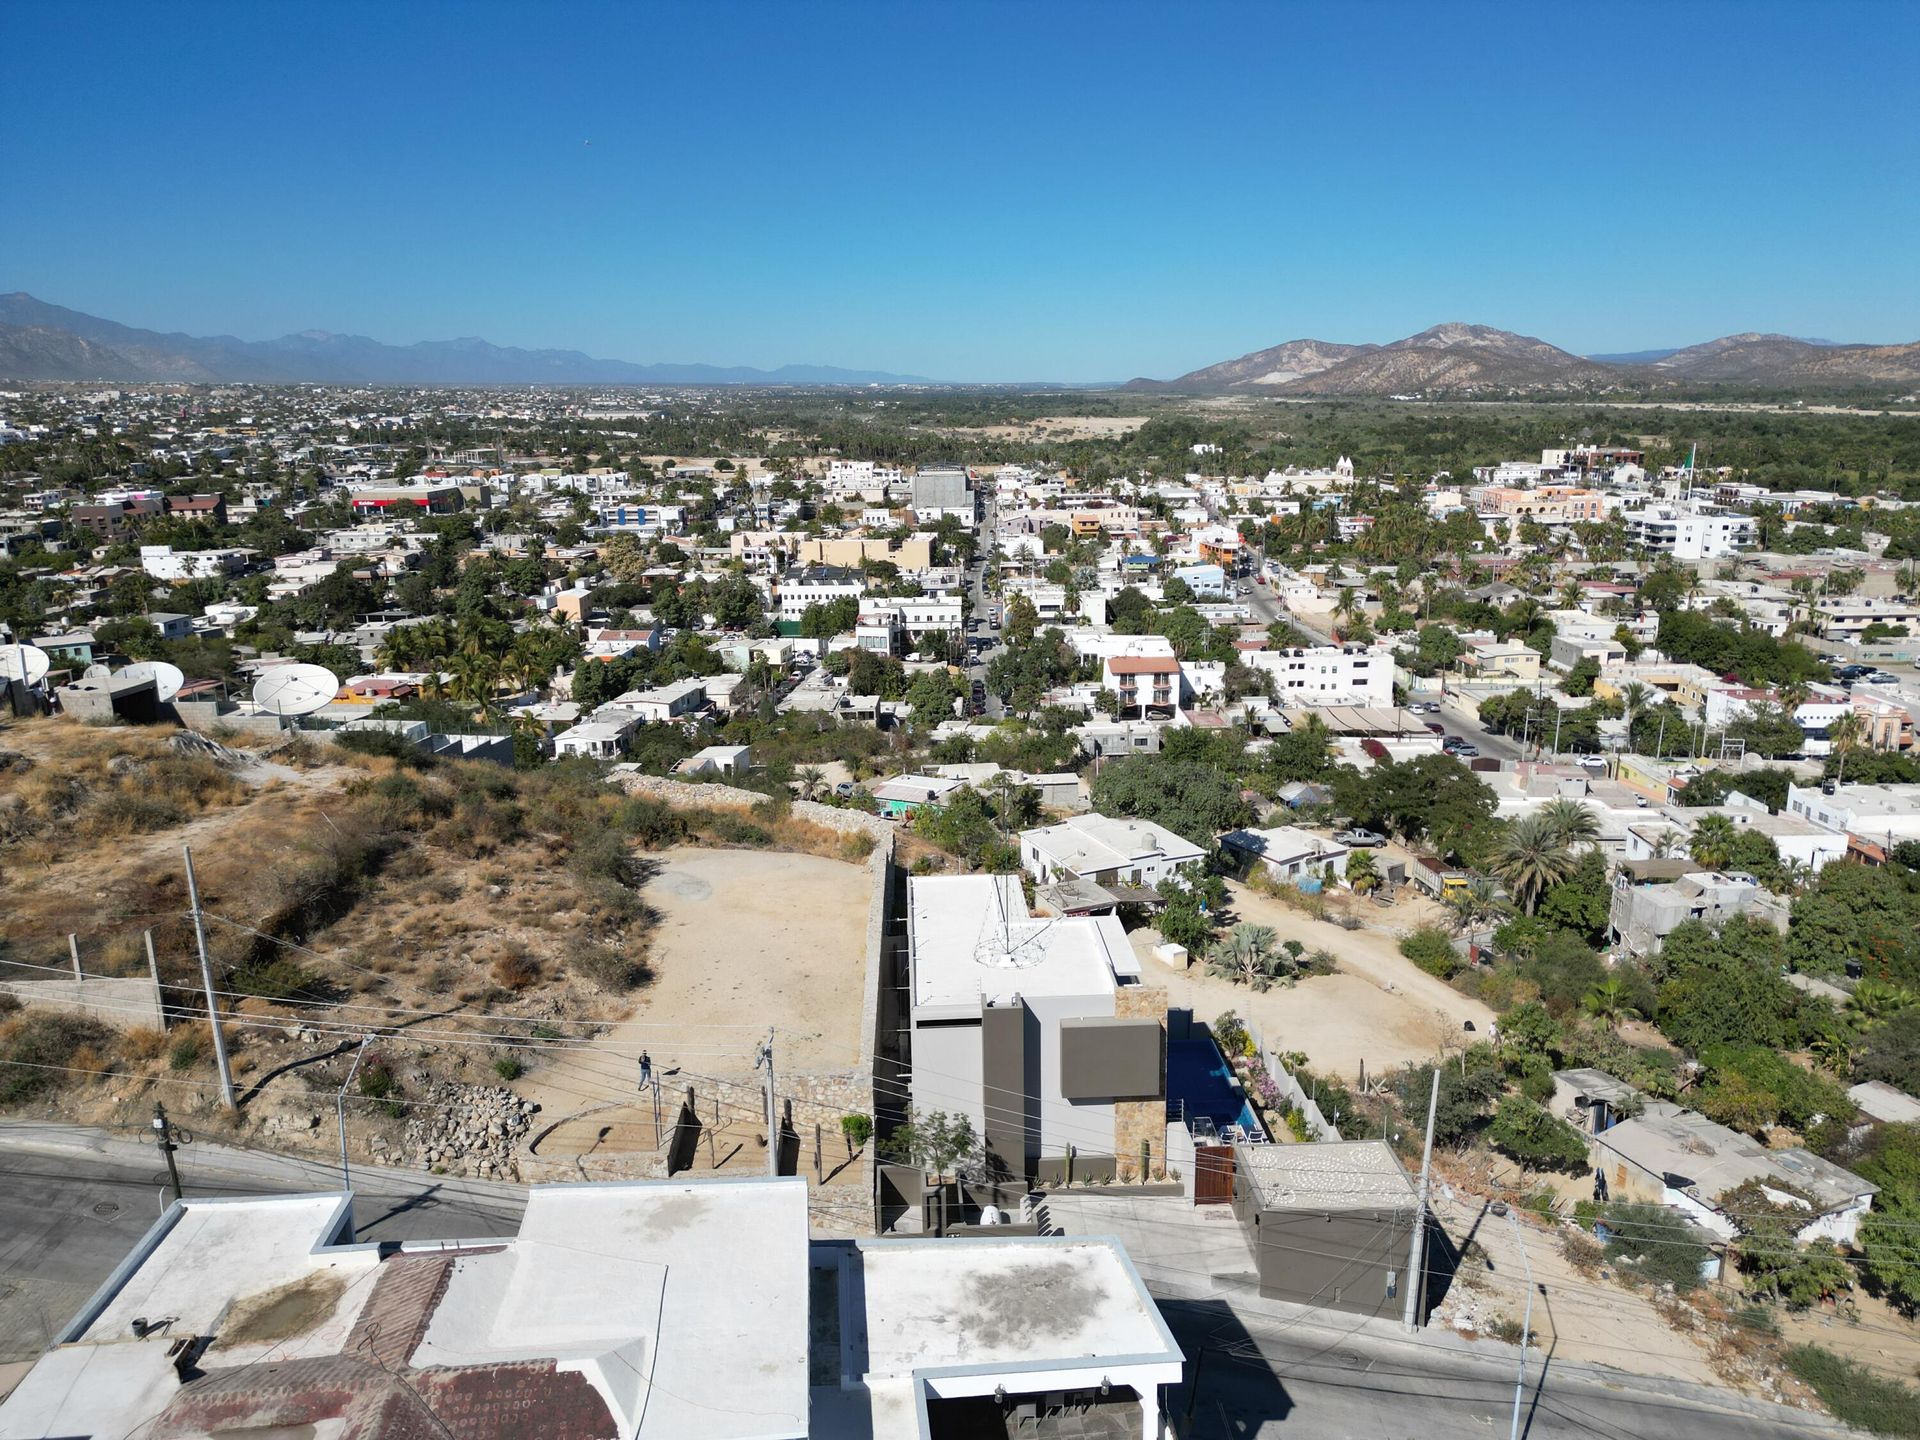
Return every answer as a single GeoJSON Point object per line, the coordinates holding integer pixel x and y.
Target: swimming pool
{"type": "Point", "coordinates": [1201, 1083]}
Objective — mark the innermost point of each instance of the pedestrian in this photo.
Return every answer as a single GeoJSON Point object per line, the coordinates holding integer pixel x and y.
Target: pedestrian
{"type": "Point", "coordinates": [646, 1070]}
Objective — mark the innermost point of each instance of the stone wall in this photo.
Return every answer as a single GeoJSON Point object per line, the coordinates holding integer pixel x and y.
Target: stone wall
{"type": "Point", "coordinates": [1141, 1123]}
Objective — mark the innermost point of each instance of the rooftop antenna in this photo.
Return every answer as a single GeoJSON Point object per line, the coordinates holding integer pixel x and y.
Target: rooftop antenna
{"type": "Point", "coordinates": [290, 691]}
{"type": "Point", "coordinates": [167, 679]}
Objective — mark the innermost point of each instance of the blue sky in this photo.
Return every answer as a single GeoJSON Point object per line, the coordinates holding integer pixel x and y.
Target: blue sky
{"type": "Point", "coordinates": [989, 191]}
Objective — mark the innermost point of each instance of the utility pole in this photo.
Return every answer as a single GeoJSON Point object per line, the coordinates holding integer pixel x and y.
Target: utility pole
{"type": "Point", "coordinates": [340, 1109]}
{"type": "Point", "coordinates": [1526, 1325]}
{"type": "Point", "coordinates": [1417, 1248]}
{"type": "Point", "coordinates": [206, 979]}
{"type": "Point", "coordinates": [765, 1062]}
{"type": "Point", "coordinates": [163, 1134]}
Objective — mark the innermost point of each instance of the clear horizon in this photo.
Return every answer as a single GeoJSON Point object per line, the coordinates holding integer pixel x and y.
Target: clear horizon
{"type": "Point", "coordinates": [991, 193]}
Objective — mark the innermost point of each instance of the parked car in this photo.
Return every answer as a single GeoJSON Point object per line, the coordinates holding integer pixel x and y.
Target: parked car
{"type": "Point", "coordinates": [1359, 839]}
{"type": "Point", "coordinates": [1436, 727]}
{"type": "Point", "coordinates": [1882, 677]}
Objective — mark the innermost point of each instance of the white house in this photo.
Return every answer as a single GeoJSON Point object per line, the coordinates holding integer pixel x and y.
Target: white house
{"type": "Point", "coordinates": [1289, 853]}
{"type": "Point", "coordinates": [1106, 851]}
{"type": "Point", "coordinates": [1359, 675]}
{"type": "Point", "coordinates": [600, 737]}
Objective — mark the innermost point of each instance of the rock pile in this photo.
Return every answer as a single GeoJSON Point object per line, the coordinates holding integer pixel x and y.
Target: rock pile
{"type": "Point", "coordinates": [470, 1130]}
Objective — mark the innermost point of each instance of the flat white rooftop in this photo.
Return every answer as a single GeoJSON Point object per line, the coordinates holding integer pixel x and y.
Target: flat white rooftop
{"type": "Point", "coordinates": [972, 939]}
{"type": "Point", "coordinates": [987, 1302]}
{"type": "Point", "coordinates": [1088, 843]}
{"type": "Point", "coordinates": [681, 1276]}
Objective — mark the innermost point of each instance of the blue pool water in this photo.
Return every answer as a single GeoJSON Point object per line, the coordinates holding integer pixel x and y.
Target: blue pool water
{"type": "Point", "coordinates": [1199, 1075]}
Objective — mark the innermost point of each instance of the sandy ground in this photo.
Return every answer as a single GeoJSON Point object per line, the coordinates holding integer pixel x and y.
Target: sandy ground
{"type": "Point", "coordinates": [746, 939]}
{"type": "Point", "coordinates": [1054, 427]}
{"type": "Point", "coordinates": [1379, 1009]}
{"type": "Point", "coordinates": [1880, 1338]}
{"type": "Point", "coordinates": [1574, 1318]}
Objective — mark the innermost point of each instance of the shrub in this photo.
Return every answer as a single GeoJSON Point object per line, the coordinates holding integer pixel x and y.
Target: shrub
{"type": "Point", "coordinates": [1855, 1394]}
{"type": "Point", "coordinates": [1431, 948]}
{"type": "Point", "coordinates": [857, 1128]}
{"type": "Point", "coordinates": [653, 823]}
{"type": "Point", "coordinates": [730, 829]}
{"type": "Point", "coordinates": [516, 969]}
{"type": "Point", "coordinates": [376, 1080]}
{"type": "Point", "coordinates": [1533, 1135]}
{"type": "Point", "coordinates": [857, 845]}
{"type": "Point", "coordinates": [40, 1048]}
{"type": "Point", "coordinates": [272, 979]}
{"type": "Point", "coordinates": [184, 1053]}
{"type": "Point", "coordinates": [609, 968]}
{"type": "Point", "coordinates": [1655, 1244]}
{"type": "Point", "coordinates": [508, 1067]}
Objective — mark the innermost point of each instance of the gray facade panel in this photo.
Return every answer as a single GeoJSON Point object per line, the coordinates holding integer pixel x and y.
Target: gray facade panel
{"type": "Point", "coordinates": [1104, 1059]}
{"type": "Point", "coordinates": [1354, 1260]}
{"type": "Point", "coordinates": [1004, 1087]}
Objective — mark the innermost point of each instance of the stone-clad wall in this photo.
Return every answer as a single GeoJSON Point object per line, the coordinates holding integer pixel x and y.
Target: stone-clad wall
{"type": "Point", "coordinates": [1137, 1122]}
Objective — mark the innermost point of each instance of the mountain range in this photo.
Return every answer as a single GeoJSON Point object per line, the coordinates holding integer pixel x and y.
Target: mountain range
{"type": "Point", "coordinates": [1458, 359]}
{"type": "Point", "coordinates": [39, 341]}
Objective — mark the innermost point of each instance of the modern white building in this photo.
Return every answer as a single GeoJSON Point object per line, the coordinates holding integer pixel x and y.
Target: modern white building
{"type": "Point", "coordinates": [1689, 532]}
{"type": "Point", "coordinates": [1105, 851]}
{"type": "Point", "coordinates": [1359, 675]}
{"type": "Point", "coordinates": [1880, 816]}
{"type": "Point", "coordinates": [816, 585]}
{"type": "Point", "coordinates": [1037, 1031]}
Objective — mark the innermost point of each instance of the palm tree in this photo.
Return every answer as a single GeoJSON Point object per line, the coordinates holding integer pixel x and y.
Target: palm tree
{"type": "Point", "coordinates": [1834, 1049]}
{"type": "Point", "coordinates": [1571, 823]}
{"type": "Point", "coordinates": [811, 780]}
{"type": "Point", "coordinates": [1474, 903]}
{"type": "Point", "coordinates": [1607, 1001]}
{"type": "Point", "coordinates": [474, 677]}
{"type": "Point", "coordinates": [1845, 735]}
{"type": "Point", "coordinates": [1711, 843]}
{"type": "Point", "coordinates": [1531, 859]}
{"type": "Point", "coordinates": [1361, 874]}
{"type": "Point", "coordinates": [1633, 697]}
{"type": "Point", "coordinates": [1796, 876]}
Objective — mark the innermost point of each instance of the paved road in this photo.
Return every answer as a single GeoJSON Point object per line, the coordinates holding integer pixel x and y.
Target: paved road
{"type": "Point", "coordinates": [1274, 1382]}
{"type": "Point", "coordinates": [74, 1204]}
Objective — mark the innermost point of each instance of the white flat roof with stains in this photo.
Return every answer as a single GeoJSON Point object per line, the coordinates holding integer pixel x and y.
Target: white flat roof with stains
{"type": "Point", "coordinates": [681, 1278]}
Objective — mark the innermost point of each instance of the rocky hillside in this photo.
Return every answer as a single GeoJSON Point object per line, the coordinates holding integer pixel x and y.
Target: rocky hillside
{"type": "Point", "coordinates": [1469, 360]}
{"type": "Point", "coordinates": [1280, 365]}
{"type": "Point", "coordinates": [1784, 362]}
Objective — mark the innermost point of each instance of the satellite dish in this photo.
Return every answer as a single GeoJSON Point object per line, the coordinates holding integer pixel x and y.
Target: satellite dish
{"type": "Point", "coordinates": [295, 689]}
{"type": "Point", "coordinates": [167, 679]}
{"type": "Point", "coordinates": [24, 662]}
{"type": "Point", "coordinates": [96, 671]}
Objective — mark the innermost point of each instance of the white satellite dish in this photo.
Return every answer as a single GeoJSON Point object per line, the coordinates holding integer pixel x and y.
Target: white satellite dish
{"type": "Point", "coordinates": [24, 662]}
{"type": "Point", "coordinates": [295, 689]}
{"type": "Point", "coordinates": [96, 671]}
{"type": "Point", "coordinates": [167, 679]}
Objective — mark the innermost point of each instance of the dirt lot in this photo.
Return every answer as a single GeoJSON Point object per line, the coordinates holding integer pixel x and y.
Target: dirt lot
{"type": "Point", "coordinates": [1379, 1009]}
{"type": "Point", "coordinates": [1052, 427]}
{"type": "Point", "coordinates": [745, 939]}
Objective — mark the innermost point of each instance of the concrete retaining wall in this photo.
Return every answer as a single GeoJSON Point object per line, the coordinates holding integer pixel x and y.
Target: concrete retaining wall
{"type": "Point", "coordinates": [125, 1004]}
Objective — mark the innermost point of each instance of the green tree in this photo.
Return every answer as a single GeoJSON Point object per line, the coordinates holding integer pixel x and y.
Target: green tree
{"type": "Point", "coordinates": [1193, 800]}
{"type": "Point", "coordinates": [1535, 1137]}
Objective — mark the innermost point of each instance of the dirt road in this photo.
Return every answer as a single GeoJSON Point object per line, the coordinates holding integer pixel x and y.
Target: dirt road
{"type": "Point", "coordinates": [1379, 1009]}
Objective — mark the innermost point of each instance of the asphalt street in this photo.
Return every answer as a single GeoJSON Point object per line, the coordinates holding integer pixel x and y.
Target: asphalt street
{"type": "Point", "coordinates": [72, 1204]}
{"type": "Point", "coordinates": [1267, 1379]}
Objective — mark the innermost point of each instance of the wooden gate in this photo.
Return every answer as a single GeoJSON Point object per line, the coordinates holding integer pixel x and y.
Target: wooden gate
{"type": "Point", "coordinates": [1212, 1174]}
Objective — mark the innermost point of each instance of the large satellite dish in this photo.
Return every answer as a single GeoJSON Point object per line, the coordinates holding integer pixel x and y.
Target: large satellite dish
{"type": "Point", "coordinates": [167, 679]}
{"type": "Point", "coordinates": [24, 662]}
{"type": "Point", "coordinates": [295, 690]}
